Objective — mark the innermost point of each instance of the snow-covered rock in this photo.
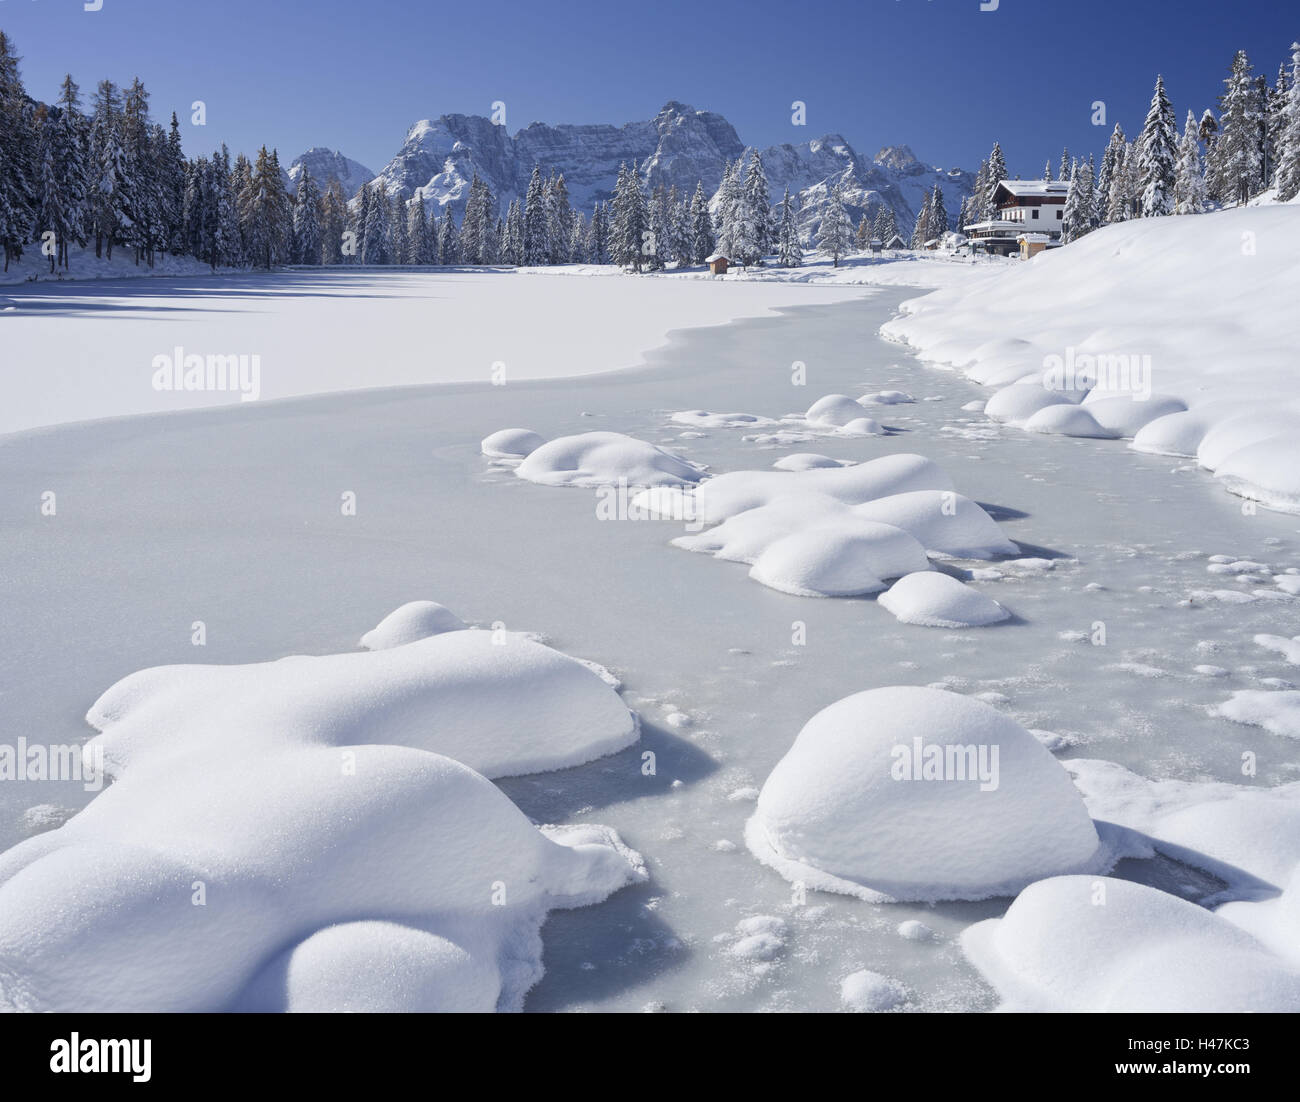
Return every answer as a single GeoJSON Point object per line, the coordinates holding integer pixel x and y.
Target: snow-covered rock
{"type": "Point", "coordinates": [833, 409]}
{"type": "Point", "coordinates": [606, 458]}
{"type": "Point", "coordinates": [849, 808]}
{"type": "Point", "coordinates": [937, 600]}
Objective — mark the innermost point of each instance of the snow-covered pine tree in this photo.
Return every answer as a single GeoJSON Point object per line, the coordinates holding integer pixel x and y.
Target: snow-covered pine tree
{"type": "Point", "coordinates": [1288, 153]}
{"type": "Point", "coordinates": [834, 233]}
{"type": "Point", "coordinates": [512, 240]}
{"type": "Point", "coordinates": [679, 237]}
{"type": "Point", "coordinates": [728, 199]}
{"type": "Point", "coordinates": [629, 221]}
{"type": "Point", "coordinates": [996, 174]}
{"type": "Point", "coordinates": [18, 158]}
{"type": "Point", "coordinates": [448, 238]}
{"type": "Point", "coordinates": [140, 188]}
{"type": "Point", "coordinates": [1079, 204]}
{"type": "Point", "coordinates": [938, 225]}
{"type": "Point", "coordinates": [273, 216]}
{"type": "Point", "coordinates": [225, 213]}
{"type": "Point", "coordinates": [306, 221]}
{"type": "Point", "coordinates": [789, 250]}
{"type": "Point", "coordinates": [578, 239]}
{"type": "Point", "coordinates": [701, 226]}
{"type": "Point", "coordinates": [1235, 161]}
{"type": "Point", "coordinates": [171, 174]}
{"type": "Point", "coordinates": [975, 204]}
{"type": "Point", "coordinates": [1120, 198]}
{"type": "Point", "coordinates": [1189, 185]}
{"type": "Point", "coordinates": [420, 248]}
{"type": "Point", "coordinates": [921, 230]}
{"type": "Point", "coordinates": [107, 168]}
{"type": "Point", "coordinates": [333, 222]}
{"type": "Point", "coordinates": [1276, 122]}
{"type": "Point", "coordinates": [1047, 172]}
{"type": "Point", "coordinates": [1113, 155]}
{"type": "Point", "coordinates": [374, 243]}
{"type": "Point", "coordinates": [1157, 153]}
{"type": "Point", "coordinates": [70, 152]}
{"type": "Point", "coordinates": [886, 224]}
{"type": "Point", "coordinates": [1067, 166]}
{"type": "Point", "coordinates": [756, 205]}
{"type": "Point", "coordinates": [559, 222]}
{"type": "Point", "coordinates": [653, 251]}
{"type": "Point", "coordinates": [598, 235]}
{"type": "Point", "coordinates": [537, 245]}
{"type": "Point", "coordinates": [51, 212]}
{"type": "Point", "coordinates": [398, 241]}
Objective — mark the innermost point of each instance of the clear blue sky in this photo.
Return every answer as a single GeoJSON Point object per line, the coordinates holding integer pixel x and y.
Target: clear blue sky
{"type": "Point", "coordinates": [939, 75]}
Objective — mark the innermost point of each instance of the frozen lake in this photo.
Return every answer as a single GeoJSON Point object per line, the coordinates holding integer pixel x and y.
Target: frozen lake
{"type": "Point", "coordinates": [232, 517]}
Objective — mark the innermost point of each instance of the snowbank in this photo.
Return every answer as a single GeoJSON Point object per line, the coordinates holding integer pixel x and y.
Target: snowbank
{"type": "Point", "coordinates": [414, 620]}
{"type": "Point", "coordinates": [919, 794]}
{"type": "Point", "coordinates": [848, 559]}
{"type": "Point", "coordinates": [939, 601]}
{"type": "Point", "coordinates": [256, 848]}
{"type": "Point", "coordinates": [1191, 313]}
{"type": "Point", "coordinates": [511, 443]}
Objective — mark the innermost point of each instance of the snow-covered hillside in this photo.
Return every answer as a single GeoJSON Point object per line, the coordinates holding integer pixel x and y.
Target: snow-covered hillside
{"type": "Point", "coordinates": [1177, 332]}
{"type": "Point", "coordinates": [678, 147]}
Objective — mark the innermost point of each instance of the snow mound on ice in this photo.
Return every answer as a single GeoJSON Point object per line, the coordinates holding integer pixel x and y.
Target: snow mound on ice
{"type": "Point", "coordinates": [511, 443]}
{"type": "Point", "coordinates": [604, 458]}
{"type": "Point", "coordinates": [939, 601]}
{"type": "Point", "coordinates": [1123, 415]}
{"type": "Point", "coordinates": [1014, 405]}
{"type": "Point", "coordinates": [836, 560]}
{"type": "Point", "coordinates": [1060, 947]}
{"type": "Point", "coordinates": [496, 701]}
{"type": "Point", "coordinates": [833, 409]}
{"type": "Point", "coordinates": [703, 419]}
{"type": "Point", "coordinates": [1278, 712]}
{"type": "Point", "coordinates": [734, 492]}
{"type": "Point", "coordinates": [833, 816]}
{"type": "Point", "coordinates": [101, 916]}
{"type": "Point", "coordinates": [862, 426]}
{"type": "Point", "coordinates": [946, 523]}
{"type": "Point", "coordinates": [1267, 472]}
{"type": "Point", "coordinates": [886, 398]}
{"type": "Point", "coordinates": [805, 461]}
{"type": "Point", "coordinates": [414, 620]}
{"type": "Point", "coordinates": [1177, 434]}
{"type": "Point", "coordinates": [1066, 420]}
{"type": "Point", "coordinates": [884, 549]}
{"type": "Point", "coordinates": [869, 992]}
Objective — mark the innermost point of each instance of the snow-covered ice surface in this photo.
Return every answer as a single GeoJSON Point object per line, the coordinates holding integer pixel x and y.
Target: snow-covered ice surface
{"type": "Point", "coordinates": [232, 517]}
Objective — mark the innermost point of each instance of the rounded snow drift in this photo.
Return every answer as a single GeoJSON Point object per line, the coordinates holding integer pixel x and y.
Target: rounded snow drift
{"type": "Point", "coordinates": [936, 600]}
{"type": "Point", "coordinates": [862, 426]}
{"type": "Point", "coordinates": [1067, 420]}
{"type": "Point", "coordinates": [414, 620]}
{"type": "Point", "coordinates": [511, 443]}
{"type": "Point", "coordinates": [838, 559]}
{"type": "Point", "coordinates": [1020, 401]}
{"type": "Point", "coordinates": [605, 458]}
{"type": "Point", "coordinates": [805, 461]}
{"type": "Point", "coordinates": [833, 409]}
{"type": "Point", "coordinates": [919, 794]}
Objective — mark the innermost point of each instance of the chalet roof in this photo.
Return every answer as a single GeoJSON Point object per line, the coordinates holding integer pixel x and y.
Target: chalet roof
{"type": "Point", "coordinates": [1036, 189]}
{"type": "Point", "coordinates": [716, 256]}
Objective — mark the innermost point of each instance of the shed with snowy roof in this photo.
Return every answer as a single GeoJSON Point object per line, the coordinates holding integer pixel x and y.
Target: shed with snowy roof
{"type": "Point", "coordinates": [718, 264]}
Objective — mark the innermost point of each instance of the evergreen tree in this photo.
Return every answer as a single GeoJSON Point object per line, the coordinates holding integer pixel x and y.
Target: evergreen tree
{"type": "Point", "coordinates": [921, 229]}
{"type": "Point", "coordinates": [629, 220]}
{"type": "Point", "coordinates": [307, 221]}
{"type": "Point", "coordinates": [1235, 162]}
{"type": "Point", "coordinates": [789, 251]}
{"type": "Point", "coordinates": [333, 222]}
{"type": "Point", "coordinates": [701, 227]}
{"type": "Point", "coordinates": [1157, 153]}
{"type": "Point", "coordinates": [358, 216]}
{"type": "Point", "coordinates": [537, 245]}
{"type": "Point", "coordinates": [172, 181]}
{"type": "Point", "coordinates": [225, 247]}
{"type": "Point", "coordinates": [753, 214]}
{"type": "Point", "coordinates": [69, 168]}
{"type": "Point", "coordinates": [938, 215]}
{"type": "Point", "coordinates": [448, 239]}
{"type": "Point", "coordinates": [108, 169]}
{"type": "Point", "coordinates": [1123, 185]}
{"type": "Point", "coordinates": [598, 235]}
{"type": "Point", "coordinates": [578, 239]}
{"type": "Point", "coordinates": [996, 174]}
{"type": "Point", "coordinates": [1113, 154]}
{"type": "Point", "coordinates": [1047, 172]}
{"type": "Point", "coordinates": [1080, 216]}
{"type": "Point", "coordinates": [559, 222]}
{"type": "Point", "coordinates": [1288, 140]}
{"type": "Point", "coordinates": [885, 227]}
{"type": "Point", "coordinates": [375, 242]}
{"type": "Point", "coordinates": [833, 235]}
{"type": "Point", "coordinates": [1067, 166]}
{"type": "Point", "coordinates": [727, 202]}
{"type": "Point", "coordinates": [512, 245]}
{"type": "Point", "coordinates": [18, 158]}
{"type": "Point", "coordinates": [1189, 186]}
{"type": "Point", "coordinates": [398, 245]}
{"type": "Point", "coordinates": [652, 251]}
